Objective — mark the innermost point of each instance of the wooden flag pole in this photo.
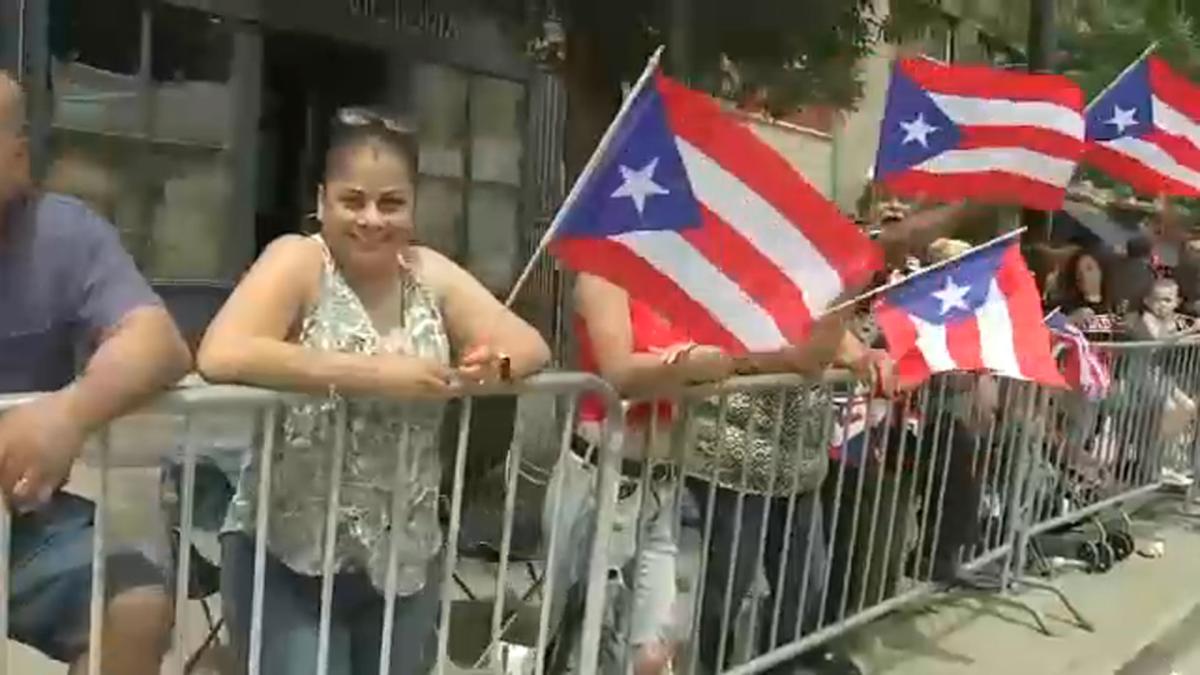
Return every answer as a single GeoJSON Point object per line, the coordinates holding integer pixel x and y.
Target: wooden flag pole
{"type": "Point", "coordinates": [932, 268]}
{"type": "Point", "coordinates": [646, 77]}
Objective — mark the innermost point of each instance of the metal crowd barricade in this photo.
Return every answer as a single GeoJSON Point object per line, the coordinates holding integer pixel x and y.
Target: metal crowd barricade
{"type": "Point", "coordinates": [565, 388]}
{"type": "Point", "coordinates": [1098, 456]}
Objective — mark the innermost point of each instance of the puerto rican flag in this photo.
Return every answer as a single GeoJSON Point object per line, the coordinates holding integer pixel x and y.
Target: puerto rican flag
{"type": "Point", "coordinates": [1083, 368]}
{"type": "Point", "coordinates": [979, 312]}
{"type": "Point", "coordinates": [971, 132]}
{"type": "Point", "coordinates": [687, 210]}
{"type": "Point", "coordinates": [1146, 130]}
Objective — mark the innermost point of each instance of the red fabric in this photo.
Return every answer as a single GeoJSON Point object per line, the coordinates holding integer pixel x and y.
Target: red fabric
{"type": "Point", "coordinates": [651, 332]}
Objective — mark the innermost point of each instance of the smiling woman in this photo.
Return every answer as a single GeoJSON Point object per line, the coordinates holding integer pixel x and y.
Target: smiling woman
{"type": "Point", "coordinates": [359, 310]}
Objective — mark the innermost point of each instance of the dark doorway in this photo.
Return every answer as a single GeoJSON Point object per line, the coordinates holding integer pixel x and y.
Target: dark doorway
{"type": "Point", "coordinates": [305, 80]}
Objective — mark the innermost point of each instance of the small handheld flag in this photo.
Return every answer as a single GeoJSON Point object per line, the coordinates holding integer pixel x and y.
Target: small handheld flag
{"type": "Point", "coordinates": [978, 312]}
{"type": "Point", "coordinates": [687, 210]}
{"type": "Point", "coordinates": [1083, 368]}
{"type": "Point", "coordinates": [1145, 130]}
{"type": "Point", "coordinates": [971, 132]}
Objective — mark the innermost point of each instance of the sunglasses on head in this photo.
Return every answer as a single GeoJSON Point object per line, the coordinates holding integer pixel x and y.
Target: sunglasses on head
{"type": "Point", "coordinates": [362, 117]}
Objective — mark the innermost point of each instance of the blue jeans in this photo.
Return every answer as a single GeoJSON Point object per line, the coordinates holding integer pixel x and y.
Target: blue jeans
{"type": "Point", "coordinates": [292, 614]}
{"type": "Point", "coordinates": [51, 576]}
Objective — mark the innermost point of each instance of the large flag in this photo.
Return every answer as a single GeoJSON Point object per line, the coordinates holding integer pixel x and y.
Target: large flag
{"type": "Point", "coordinates": [686, 209]}
{"type": "Point", "coordinates": [1083, 368]}
{"type": "Point", "coordinates": [1145, 130]}
{"type": "Point", "coordinates": [979, 312]}
{"type": "Point", "coordinates": [971, 132]}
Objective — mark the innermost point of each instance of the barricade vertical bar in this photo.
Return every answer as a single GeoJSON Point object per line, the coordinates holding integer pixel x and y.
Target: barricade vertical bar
{"type": "Point", "coordinates": [1020, 554]}
{"type": "Point", "coordinates": [922, 524]}
{"type": "Point", "coordinates": [767, 502]}
{"type": "Point", "coordinates": [793, 503]}
{"type": "Point", "coordinates": [1014, 529]}
{"type": "Point", "coordinates": [851, 561]}
{"type": "Point", "coordinates": [555, 492]}
{"type": "Point", "coordinates": [612, 438]}
{"type": "Point", "coordinates": [706, 539]}
{"type": "Point", "coordinates": [402, 472]}
{"type": "Point", "coordinates": [99, 560]}
{"type": "Point", "coordinates": [650, 438]}
{"type": "Point", "coordinates": [876, 501]}
{"type": "Point", "coordinates": [512, 471]}
{"type": "Point", "coordinates": [336, 466]}
{"type": "Point", "coordinates": [734, 548]}
{"type": "Point", "coordinates": [893, 512]}
{"type": "Point", "coordinates": [262, 520]}
{"type": "Point", "coordinates": [183, 571]}
{"type": "Point", "coordinates": [1003, 473]}
{"type": "Point", "coordinates": [939, 508]}
{"type": "Point", "coordinates": [835, 523]}
{"type": "Point", "coordinates": [983, 472]}
{"type": "Point", "coordinates": [451, 562]}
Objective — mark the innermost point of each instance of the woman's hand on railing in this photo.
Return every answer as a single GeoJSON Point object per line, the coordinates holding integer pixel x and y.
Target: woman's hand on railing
{"type": "Point", "coordinates": [407, 376]}
{"type": "Point", "coordinates": [876, 367]}
{"type": "Point", "coordinates": [484, 365]}
{"type": "Point", "coordinates": [39, 442]}
{"type": "Point", "coordinates": [702, 363]}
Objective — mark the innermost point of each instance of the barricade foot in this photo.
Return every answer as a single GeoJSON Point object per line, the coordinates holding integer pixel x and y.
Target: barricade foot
{"type": "Point", "coordinates": [1038, 584]}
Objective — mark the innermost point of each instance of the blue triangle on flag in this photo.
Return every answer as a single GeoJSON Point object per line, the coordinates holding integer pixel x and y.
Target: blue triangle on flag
{"type": "Point", "coordinates": [914, 127]}
{"type": "Point", "coordinates": [1125, 109]}
{"type": "Point", "coordinates": [640, 184]}
{"type": "Point", "coordinates": [954, 292]}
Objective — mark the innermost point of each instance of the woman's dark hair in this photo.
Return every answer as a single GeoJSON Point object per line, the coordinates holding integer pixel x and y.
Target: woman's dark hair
{"type": "Point", "coordinates": [353, 128]}
{"type": "Point", "coordinates": [1068, 291]}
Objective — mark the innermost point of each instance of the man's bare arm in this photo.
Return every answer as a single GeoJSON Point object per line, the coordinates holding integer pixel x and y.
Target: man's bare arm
{"type": "Point", "coordinates": [138, 358]}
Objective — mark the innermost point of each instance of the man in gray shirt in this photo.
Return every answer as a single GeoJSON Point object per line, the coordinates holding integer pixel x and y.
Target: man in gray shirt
{"type": "Point", "coordinates": [78, 323]}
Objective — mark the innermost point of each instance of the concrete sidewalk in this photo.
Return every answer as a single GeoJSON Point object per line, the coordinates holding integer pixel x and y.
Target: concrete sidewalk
{"type": "Point", "coordinates": [1131, 607]}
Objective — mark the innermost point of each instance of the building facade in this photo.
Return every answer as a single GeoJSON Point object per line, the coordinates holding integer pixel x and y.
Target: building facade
{"type": "Point", "coordinates": [198, 126]}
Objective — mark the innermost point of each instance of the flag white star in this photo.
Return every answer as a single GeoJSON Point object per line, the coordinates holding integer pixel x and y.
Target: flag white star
{"type": "Point", "coordinates": [917, 130]}
{"type": "Point", "coordinates": [952, 296]}
{"type": "Point", "coordinates": [1123, 119]}
{"type": "Point", "coordinates": [639, 185]}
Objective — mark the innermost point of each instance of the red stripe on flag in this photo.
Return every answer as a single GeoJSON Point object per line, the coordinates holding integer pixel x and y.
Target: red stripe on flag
{"type": "Point", "coordinates": [1173, 89]}
{"type": "Point", "coordinates": [998, 187]}
{"type": "Point", "coordinates": [1034, 138]}
{"type": "Point", "coordinates": [901, 336]}
{"type": "Point", "coordinates": [1179, 148]}
{"type": "Point", "coordinates": [615, 262]}
{"type": "Point", "coordinates": [1140, 177]}
{"type": "Point", "coordinates": [700, 121]}
{"type": "Point", "coordinates": [962, 340]}
{"type": "Point", "coordinates": [1031, 338]}
{"type": "Point", "coordinates": [756, 275]}
{"type": "Point", "coordinates": [984, 82]}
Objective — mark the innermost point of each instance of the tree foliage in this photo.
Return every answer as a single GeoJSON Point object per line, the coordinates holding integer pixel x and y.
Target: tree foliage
{"type": "Point", "coordinates": [795, 51]}
{"type": "Point", "coordinates": [1102, 37]}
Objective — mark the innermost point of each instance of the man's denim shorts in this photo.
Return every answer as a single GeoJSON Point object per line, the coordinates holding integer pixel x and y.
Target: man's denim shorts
{"type": "Point", "coordinates": [51, 576]}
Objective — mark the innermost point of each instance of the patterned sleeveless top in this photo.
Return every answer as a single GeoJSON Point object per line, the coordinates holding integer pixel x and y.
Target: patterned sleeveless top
{"type": "Point", "coordinates": [373, 451]}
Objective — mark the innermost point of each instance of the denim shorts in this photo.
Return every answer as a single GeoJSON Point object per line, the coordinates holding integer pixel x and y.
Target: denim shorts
{"type": "Point", "coordinates": [51, 576]}
{"type": "Point", "coordinates": [292, 612]}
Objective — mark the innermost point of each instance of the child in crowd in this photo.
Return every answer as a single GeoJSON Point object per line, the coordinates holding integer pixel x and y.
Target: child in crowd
{"type": "Point", "coordinates": [1160, 318]}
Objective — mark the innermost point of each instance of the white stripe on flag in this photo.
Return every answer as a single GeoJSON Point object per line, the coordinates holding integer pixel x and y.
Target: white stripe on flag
{"type": "Point", "coordinates": [931, 340]}
{"type": "Point", "coordinates": [996, 343]}
{"type": "Point", "coordinates": [728, 304]}
{"type": "Point", "coordinates": [763, 226]}
{"type": "Point", "coordinates": [1174, 122]}
{"type": "Point", "coordinates": [1155, 158]}
{"type": "Point", "coordinates": [972, 111]}
{"type": "Point", "coordinates": [1020, 161]}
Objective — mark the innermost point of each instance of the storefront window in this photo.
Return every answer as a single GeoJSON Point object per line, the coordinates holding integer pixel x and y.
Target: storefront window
{"type": "Point", "coordinates": [142, 128]}
{"type": "Point", "coordinates": [468, 198]}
